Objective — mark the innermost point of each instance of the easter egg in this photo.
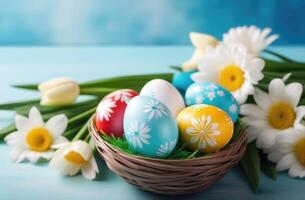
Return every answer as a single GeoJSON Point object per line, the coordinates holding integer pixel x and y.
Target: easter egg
{"type": "Point", "coordinates": [110, 112]}
{"type": "Point", "coordinates": [182, 81]}
{"type": "Point", "coordinates": [204, 128]}
{"type": "Point", "coordinates": [212, 94]}
{"type": "Point", "coordinates": [150, 128]}
{"type": "Point", "coordinates": [164, 92]}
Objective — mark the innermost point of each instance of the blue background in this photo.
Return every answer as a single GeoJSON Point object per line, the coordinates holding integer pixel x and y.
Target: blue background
{"type": "Point", "coordinates": [142, 22]}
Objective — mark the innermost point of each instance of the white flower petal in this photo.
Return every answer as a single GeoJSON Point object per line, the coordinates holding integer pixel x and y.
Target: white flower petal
{"type": "Point", "coordinates": [252, 133]}
{"type": "Point", "coordinates": [88, 171]}
{"type": "Point", "coordinates": [277, 90]}
{"type": "Point", "coordinates": [266, 139]}
{"type": "Point", "coordinates": [57, 124]}
{"type": "Point", "coordinates": [32, 156]}
{"type": "Point", "coordinates": [35, 117]}
{"type": "Point", "coordinates": [15, 138]}
{"type": "Point", "coordinates": [22, 123]}
{"type": "Point", "coordinates": [295, 91]}
{"type": "Point", "coordinates": [300, 113]}
{"type": "Point", "coordinates": [262, 99]}
{"type": "Point", "coordinates": [286, 162]}
{"type": "Point", "coordinates": [15, 153]}
{"type": "Point", "coordinates": [58, 142]}
{"type": "Point", "coordinates": [253, 111]}
{"type": "Point", "coordinates": [297, 170]}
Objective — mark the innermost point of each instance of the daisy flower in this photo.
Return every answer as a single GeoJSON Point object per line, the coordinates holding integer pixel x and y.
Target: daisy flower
{"type": "Point", "coordinates": [289, 154]}
{"type": "Point", "coordinates": [250, 37]}
{"type": "Point", "coordinates": [233, 68]}
{"type": "Point", "coordinates": [73, 157]}
{"type": "Point", "coordinates": [274, 114]}
{"type": "Point", "coordinates": [35, 139]}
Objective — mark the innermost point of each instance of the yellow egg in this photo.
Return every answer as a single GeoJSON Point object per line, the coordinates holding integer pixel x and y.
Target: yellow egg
{"type": "Point", "coordinates": [205, 128]}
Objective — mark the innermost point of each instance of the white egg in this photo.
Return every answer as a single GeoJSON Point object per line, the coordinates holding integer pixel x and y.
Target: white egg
{"type": "Point", "coordinates": [166, 93]}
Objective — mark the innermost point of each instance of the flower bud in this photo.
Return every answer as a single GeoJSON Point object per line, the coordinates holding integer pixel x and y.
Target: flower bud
{"type": "Point", "coordinates": [202, 43]}
{"type": "Point", "coordinates": [59, 91]}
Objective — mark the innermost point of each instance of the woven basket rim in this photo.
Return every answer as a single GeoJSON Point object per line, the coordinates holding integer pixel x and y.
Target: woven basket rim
{"type": "Point", "coordinates": [212, 155]}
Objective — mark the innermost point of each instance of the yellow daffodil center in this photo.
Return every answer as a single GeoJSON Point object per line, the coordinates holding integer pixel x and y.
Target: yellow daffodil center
{"type": "Point", "coordinates": [75, 158]}
{"type": "Point", "coordinates": [231, 77]}
{"type": "Point", "coordinates": [299, 150]}
{"type": "Point", "coordinates": [39, 139]}
{"type": "Point", "coordinates": [281, 115]}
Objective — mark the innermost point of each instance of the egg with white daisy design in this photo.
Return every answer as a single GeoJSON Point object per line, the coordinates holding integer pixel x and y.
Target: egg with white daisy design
{"type": "Point", "coordinates": [164, 92]}
{"type": "Point", "coordinates": [150, 127]}
{"type": "Point", "coordinates": [212, 94]}
{"type": "Point", "coordinates": [110, 112]}
{"type": "Point", "coordinates": [205, 128]}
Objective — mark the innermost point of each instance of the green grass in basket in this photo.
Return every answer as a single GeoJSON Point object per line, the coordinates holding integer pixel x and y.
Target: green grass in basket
{"type": "Point", "coordinates": [180, 152]}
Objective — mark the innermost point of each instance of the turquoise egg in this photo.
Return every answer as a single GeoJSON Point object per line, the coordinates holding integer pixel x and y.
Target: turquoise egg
{"type": "Point", "coordinates": [182, 81]}
{"type": "Point", "coordinates": [150, 128]}
{"type": "Point", "coordinates": [212, 94]}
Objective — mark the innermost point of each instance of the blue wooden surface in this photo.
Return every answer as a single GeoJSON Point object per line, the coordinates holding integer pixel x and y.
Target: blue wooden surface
{"type": "Point", "coordinates": [26, 181]}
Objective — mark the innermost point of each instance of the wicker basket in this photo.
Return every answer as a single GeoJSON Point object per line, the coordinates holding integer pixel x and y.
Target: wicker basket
{"type": "Point", "coordinates": [170, 177]}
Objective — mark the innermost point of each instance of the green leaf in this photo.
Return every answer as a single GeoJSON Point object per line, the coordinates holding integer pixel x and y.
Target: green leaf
{"type": "Point", "coordinates": [7, 130]}
{"type": "Point", "coordinates": [284, 67]}
{"type": "Point", "coordinates": [251, 166]}
{"type": "Point", "coordinates": [26, 86]}
{"type": "Point", "coordinates": [126, 81]}
{"type": "Point", "coordinates": [23, 110]}
{"type": "Point", "coordinates": [267, 167]}
{"type": "Point", "coordinates": [13, 105]}
{"type": "Point", "coordinates": [177, 68]}
{"type": "Point", "coordinates": [280, 56]}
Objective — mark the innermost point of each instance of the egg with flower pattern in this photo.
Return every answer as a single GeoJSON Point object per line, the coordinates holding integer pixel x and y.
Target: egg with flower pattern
{"type": "Point", "coordinates": [150, 127]}
{"type": "Point", "coordinates": [110, 112]}
{"type": "Point", "coordinates": [204, 128]}
{"type": "Point", "coordinates": [164, 92]}
{"type": "Point", "coordinates": [212, 94]}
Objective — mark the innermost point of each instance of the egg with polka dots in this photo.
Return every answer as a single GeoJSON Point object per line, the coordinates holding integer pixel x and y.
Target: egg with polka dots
{"type": "Point", "coordinates": [212, 94]}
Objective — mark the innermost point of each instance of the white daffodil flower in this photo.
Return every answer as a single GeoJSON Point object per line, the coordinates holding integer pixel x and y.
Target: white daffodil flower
{"type": "Point", "coordinates": [274, 114]}
{"type": "Point", "coordinates": [289, 154]}
{"type": "Point", "coordinates": [35, 139]}
{"type": "Point", "coordinates": [59, 91]}
{"type": "Point", "coordinates": [233, 68]}
{"type": "Point", "coordinates": [250, 37]}
{"type": "Point", "coordinates": [73, 157]}
{"type": "Point", "coordinates": [202, 43]}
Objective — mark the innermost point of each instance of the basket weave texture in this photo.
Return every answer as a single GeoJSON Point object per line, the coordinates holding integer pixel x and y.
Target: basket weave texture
{"type": "Point", "coordinates": [170, 177]}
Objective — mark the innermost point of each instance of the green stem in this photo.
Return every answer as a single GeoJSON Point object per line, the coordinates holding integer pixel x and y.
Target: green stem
{"type": "Point", "coordinates": [82, 115]}
{"type": "Point", "coordinates": [82, 131]}
{"type": "Point", "coordinates": [192, 155]}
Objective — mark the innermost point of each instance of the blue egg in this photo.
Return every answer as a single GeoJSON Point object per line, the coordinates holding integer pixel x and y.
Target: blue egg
{"type": "Point", "coordinates": [150, 128]}
{"type": "Point", "coordinates": [182, 81]}
{"type": "Point", "coordinates": [212, 94]}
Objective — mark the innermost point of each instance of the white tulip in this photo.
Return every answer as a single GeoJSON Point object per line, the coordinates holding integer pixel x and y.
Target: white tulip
{"type": "Point", "coordinates": [202, 43]}
{"type": "Point", "coordinates": [59, 91]}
